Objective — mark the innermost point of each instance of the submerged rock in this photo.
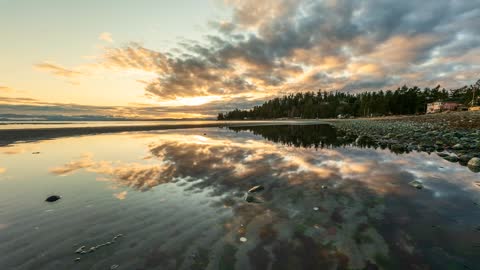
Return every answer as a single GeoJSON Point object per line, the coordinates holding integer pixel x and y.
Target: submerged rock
{"type": "Point", "coordinates": [53, 198]}
{"type": "Point", "coordinates": [416, 184]}
{"type": "Point", "coordinates": [256, 188]}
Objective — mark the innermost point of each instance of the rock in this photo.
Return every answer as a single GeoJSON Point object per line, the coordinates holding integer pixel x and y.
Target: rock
{"type": "Point", "coordinates": [249, 198]}
{"type": "Point", "coordinates": [451, 158]}
{"type": "Point", "coordinates": [92, 249]}
{"type": "Point", "coordinates": [256, 188]}
{"type": "Point", "coordinates": [474, 164]}
{"type": "Point", "coordinates": [77, 259]}
{"type": "Point", "coordinates": [243, 239]}
{"type": "Point", "coordinates": [464, 158]}
{"type": "Point", "coordinates": [442, 155]}
{"type": "Point", "coordinates": [53, 198]}
{"type": "Point", "coordinates": [115, 266]}
{"type": "Point", "coordinates": [457, 147]}
{"type": "Point", "coordinates": [315, 208]}
{"type": "Point", "coordinates": [363, 140]}
{"type": "Point", "coordinates": [416, 184]}
{"type": "Point", "coordinates": [80, 249]}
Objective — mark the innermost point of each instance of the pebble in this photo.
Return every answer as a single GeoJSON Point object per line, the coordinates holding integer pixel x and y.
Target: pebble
{"type": "Point", "coordinates": [53, 198]}
{"type": "Point", "coordinates": [315, 208]}
{"type": "Point", "coordinates": [243, 239]}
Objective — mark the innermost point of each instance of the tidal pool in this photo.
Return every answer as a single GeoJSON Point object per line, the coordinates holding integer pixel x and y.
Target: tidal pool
{"type": "Point", "coordinates": [177, 198]}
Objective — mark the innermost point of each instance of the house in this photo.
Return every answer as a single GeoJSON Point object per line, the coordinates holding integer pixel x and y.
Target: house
{"type": "Point", "coordinates": [441, 106]}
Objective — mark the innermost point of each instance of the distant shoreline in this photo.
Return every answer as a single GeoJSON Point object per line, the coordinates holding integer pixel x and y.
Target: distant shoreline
{"type": "Point", "coordinates": [9, 136]}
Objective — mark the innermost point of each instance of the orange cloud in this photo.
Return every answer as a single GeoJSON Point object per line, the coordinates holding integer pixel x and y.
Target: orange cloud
{"type": "Point", "coordinates": [58, 70]}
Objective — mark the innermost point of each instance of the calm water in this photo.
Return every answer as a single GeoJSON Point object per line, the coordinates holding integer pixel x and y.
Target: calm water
{"type": "Point", "coordinates": [70, 124]}
{"type": "Point", "coordinates": [178, 199]}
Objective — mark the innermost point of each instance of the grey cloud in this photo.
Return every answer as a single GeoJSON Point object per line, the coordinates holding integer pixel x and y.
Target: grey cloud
{"type": "Point", "coordinates": [268, 45]}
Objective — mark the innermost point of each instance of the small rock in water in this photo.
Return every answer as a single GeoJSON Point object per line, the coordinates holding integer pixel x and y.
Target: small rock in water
{"type": "Point", "coordinates": [115, 266]}
{"type": "Point", "coordinates": [256, 188]}
{"type": "Point", "coordinates": [53, 198]}
{"type": "Point", "coordinates": [243, 239]}
{"type": "Point", "coordinates": [80, 249]}
{"type": "Point", "coordinates": [315, 208]}
{"type": "Point", "coordinates": [416, 184]}
{"type": "Point", "coordinates": [77, 259]}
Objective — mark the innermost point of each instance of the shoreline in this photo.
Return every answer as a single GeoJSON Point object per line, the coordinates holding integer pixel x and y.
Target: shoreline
{"type": "Point", "coordinates": [10, 136]}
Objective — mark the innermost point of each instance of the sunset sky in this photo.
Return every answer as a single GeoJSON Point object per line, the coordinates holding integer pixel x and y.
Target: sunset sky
{"type": "Point", "coordinates": [195, 58]}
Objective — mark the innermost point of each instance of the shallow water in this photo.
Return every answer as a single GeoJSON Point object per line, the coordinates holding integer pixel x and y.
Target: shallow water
{"type": "Point", "coordinates": [177, 197]}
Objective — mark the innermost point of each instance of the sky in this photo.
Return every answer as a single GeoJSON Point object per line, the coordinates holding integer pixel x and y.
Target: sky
{"type": "Point", "coordinates": [195, 58]}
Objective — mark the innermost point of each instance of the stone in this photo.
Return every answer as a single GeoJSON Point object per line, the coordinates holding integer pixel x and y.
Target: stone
{"type": "Point", "coordinates": [77, 259]}
{"type": "Point", "coordinates": [474, 164]}
{"type": "Point", "coordinates": [256, 188]}
{"type": "Point", "coordinates": [249, 198]}
{"type": "Point", "coordinates": [80, 249]}
{"type": "Point", "coordinates": [451, 158]}
{"type": "Point", "coordinates": [53, 198]}
{"type": "Point", "coordinates": [416, 184]}
{"type": "Point", "coordinates": [243, 239]}
{"type": "Point", "coordinates": [457, 147]}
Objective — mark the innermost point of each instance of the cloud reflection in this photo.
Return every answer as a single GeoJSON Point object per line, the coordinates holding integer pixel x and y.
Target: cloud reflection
{"type": "Point", "coordinates": [353, 190]}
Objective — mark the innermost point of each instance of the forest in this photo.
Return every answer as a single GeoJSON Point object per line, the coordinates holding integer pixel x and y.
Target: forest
{"type": "Point", "coordinates": [323, 104]}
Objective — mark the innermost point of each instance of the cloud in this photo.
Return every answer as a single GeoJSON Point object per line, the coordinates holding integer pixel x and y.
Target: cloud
{"type": "Point", "coordinates": [121, 195]}
{"type": "Point", "coordinates": [58, 70]}
{"type": "Point", "coordinates": [106, 36]}
{"type": "Point", "coordinates": [290, 45]}
{"type": "Point", "coordinates": [5, 89]}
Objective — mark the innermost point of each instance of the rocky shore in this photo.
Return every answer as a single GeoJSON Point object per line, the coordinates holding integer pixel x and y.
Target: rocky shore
{"type": "Point", "coordinates": [453, 136]}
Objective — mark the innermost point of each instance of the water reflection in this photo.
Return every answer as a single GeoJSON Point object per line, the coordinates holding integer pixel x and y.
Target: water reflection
{"type": "Point", "coordinates": [330, 208]}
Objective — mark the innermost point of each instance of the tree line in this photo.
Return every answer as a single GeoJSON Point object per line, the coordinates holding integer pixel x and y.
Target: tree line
{"type": "Point", "coordinates": [322, 104]}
